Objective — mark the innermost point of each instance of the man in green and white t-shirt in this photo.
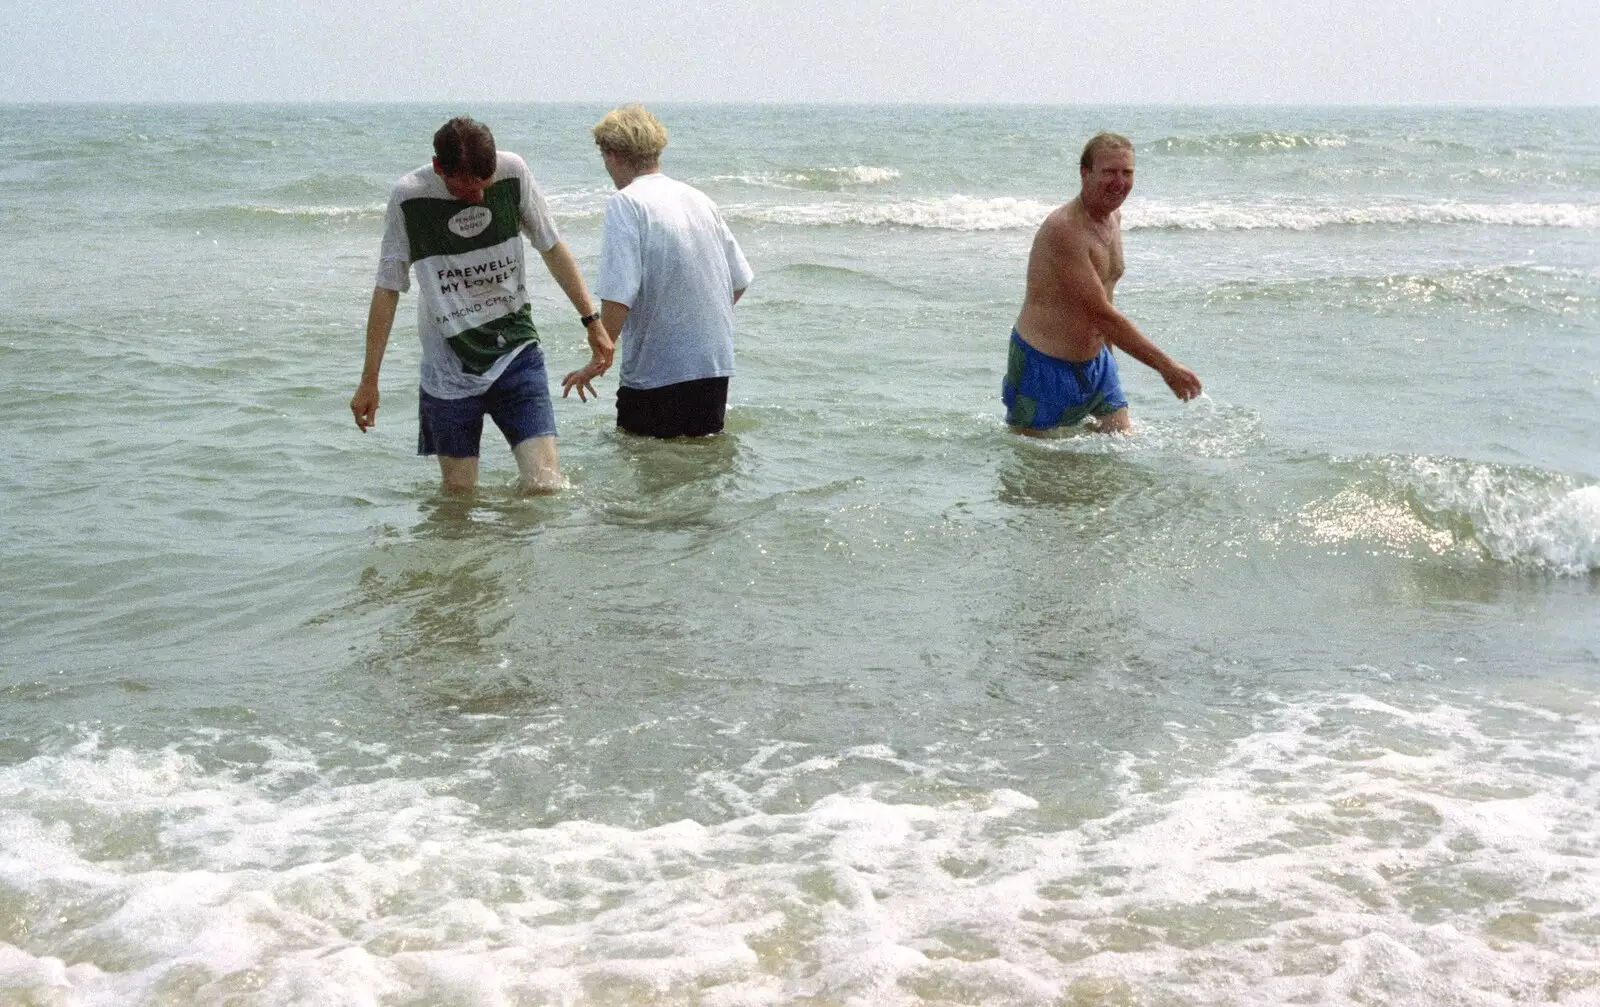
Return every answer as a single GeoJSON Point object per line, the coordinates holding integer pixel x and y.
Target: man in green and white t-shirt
{"type": "Point", "coordinates": [459, 223]}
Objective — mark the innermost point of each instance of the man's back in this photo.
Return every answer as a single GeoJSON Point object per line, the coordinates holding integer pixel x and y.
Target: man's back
{"type": "Point", "coordinates": [669, 257]}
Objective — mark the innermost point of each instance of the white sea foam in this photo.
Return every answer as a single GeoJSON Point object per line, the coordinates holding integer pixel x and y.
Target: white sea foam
{"type": "Point", "coordinates": [971, 213]}
{"type": "Point", "coordinates": [1348, 850]}
{"type": "Point", "coordinates": [571, 205]}
{"type": "Point", "coordinates": [1270, 141]}
{"type": "Point", "coordinates": [577, 204]}
{"type": "Point", "coordinates": [1514, 515]}
{"type": "Point", "coordinates": [866, 174]}
{"type": "Point", "coordinates": [952, 213]}
{"type": "Point", "coordinates": [814, 178]}
{"type": "Point", "coordinates": [314, 212]}
{"type": "Point", "coordinates": [1517, 515]}
{"type": "Point", "coordinates": [1208, 216]}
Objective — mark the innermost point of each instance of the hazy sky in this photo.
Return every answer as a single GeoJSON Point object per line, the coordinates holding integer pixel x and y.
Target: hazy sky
{"type": "Point", "coordinates": [1165, 51]}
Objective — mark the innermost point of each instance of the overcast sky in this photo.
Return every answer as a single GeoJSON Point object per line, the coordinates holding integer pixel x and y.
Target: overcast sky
{"type": "Point", "coordinates": [1054, 51]}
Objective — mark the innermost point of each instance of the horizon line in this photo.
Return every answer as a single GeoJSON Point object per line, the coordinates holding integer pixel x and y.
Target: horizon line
{"type": "Point", "coordinates": [193, 102]}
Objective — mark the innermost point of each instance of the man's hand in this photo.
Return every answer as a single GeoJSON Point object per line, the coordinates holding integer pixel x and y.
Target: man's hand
{"type": "Point", "coordinates": [380, 319]}
{"type": "Point", "coordinates": [1183, 382]}
{"type": "Point", "coordinates": [600, 343]}
{"type": "Point", "coordinates": [583, 378]}
{"type": "Point", "coordinates": [364, 404]}
{"type": "Point", "coordinates": [601, 348]}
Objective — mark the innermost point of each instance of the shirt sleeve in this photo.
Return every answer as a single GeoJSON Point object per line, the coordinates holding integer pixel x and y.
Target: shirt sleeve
{"type": "Point", "coordinates": [394, 255]}
{"type": "Point", "coordinates": [537, 223]}
{"type": "Point", "coordinates": [621, 254]}
{"type": "Point", "coordinates": [738, 269]}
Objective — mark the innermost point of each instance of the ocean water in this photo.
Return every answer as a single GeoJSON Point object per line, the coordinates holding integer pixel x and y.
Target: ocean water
{"type": "Point", "coordinates": [1292, 697]}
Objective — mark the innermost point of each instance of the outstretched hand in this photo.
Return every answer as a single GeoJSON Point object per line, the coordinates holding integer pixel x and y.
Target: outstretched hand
{"type": "Point", "coordinates": [583, 378]}
{"type": "Point", "coordinates": [601, 349]}
{"type": "Point", "coordinates": [1185, 384]}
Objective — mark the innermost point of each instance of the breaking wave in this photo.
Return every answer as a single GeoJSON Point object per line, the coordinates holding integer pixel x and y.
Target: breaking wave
{"type": "Point", "coordinates": [952, 213]}
{"type": "Point", "coordinates": [1521, 516]}
{"type": "Point", "coordinates": [260, 214]}
{"type": "Point", "coordinates": [824, 179]}
{"type": "Point", "coordinates": [1264, 142]}
{"type": "Point", "coordinates": [1504, 289]}
{"type": "Point", "coordinates": [973, 213]}
{"type": "Point", "coordinates": [1296, 864]}
{"type": "Point", "coordinates": [1245, 217]}
{"type": "Point", "coordinates": [1517, 515]}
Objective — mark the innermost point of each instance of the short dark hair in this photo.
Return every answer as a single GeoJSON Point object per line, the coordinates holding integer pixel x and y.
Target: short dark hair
{"type": "Point", "coordinates": [464, 144]}
{"type": "Point", "coordinates": [1099, 142]}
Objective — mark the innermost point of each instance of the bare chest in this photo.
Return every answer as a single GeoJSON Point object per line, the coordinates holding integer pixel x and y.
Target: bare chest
{"type": "Point", "coordinates": [1106, 254]}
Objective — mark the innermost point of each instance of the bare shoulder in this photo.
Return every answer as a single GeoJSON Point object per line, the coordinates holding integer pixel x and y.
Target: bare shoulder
{"type": "Point", "coordinates": [1064, 229]}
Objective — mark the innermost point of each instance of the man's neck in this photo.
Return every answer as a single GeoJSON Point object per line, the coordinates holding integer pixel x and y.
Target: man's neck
{"type": "Point", "coordinates": [1096, 214]}
{"type": "Point", "coordinates": [627, 176]}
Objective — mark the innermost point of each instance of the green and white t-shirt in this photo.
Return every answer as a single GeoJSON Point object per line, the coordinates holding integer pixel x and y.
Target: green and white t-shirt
{"type": "Point", "coordinates": [472, 309]}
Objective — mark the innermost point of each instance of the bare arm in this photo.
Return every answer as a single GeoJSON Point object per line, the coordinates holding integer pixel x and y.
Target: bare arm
{"type": "Point", "coordinates": [564, 270]}
{"type": "Point", "coordinates": [1083, 281]}
{"type": "Point", "coordinates": [613, 315]}
{"type": "Point", "coordinates": [380, 322]}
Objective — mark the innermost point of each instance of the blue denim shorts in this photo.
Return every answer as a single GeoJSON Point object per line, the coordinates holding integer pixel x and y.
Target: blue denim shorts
{"type": "Point", "coordinates": [518, 402]}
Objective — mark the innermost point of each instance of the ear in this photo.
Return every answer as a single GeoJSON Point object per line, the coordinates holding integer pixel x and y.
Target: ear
{"type": "Point", "coordinates": [436, 169]}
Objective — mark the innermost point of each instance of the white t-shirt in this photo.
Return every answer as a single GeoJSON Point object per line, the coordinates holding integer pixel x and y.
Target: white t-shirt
{"type": "Point", "coordinates": [472, 313]}
{"type": "Point", "coordinates": [666, 253]}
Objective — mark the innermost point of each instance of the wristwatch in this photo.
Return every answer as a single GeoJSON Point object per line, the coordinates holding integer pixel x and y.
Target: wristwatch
{"type": "Point", "coordinates": [584, 320]}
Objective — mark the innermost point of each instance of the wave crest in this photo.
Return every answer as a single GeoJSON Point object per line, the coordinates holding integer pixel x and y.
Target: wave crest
{"type": "Point", "coordinates": [247, 215]}
{"type": "Point", "coordinates": [1516, 515]}
{"type": "Point", "coordinates": [1504, 289]}
{"type": "Point", "coordinates": [1262, 142]}
{"type": "Point", "coordinates": [322, 189]}
{"type": "Point", "coordinates": [824, 179]}
{"type": "Point", "coordinates": [952, 213]}
{"type": "Point", "coordinates": [998, 213]}
{"type": "Point", "coordinates": [1509, 514]}
{"type": "Point", "coordinates": [1245, 217]}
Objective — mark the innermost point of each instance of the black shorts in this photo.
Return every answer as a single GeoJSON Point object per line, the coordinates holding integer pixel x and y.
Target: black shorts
{"type": "Point", "coordinates": [686, 409]}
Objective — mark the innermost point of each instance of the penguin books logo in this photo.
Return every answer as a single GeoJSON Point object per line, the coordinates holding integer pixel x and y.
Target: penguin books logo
{"type": "Point", "coordinates": [469, 223]}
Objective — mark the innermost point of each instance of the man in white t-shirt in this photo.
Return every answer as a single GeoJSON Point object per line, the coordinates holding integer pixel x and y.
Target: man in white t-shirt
{"type": "Point", "coordinates": [670, 274]}
{"type": "Point", "coordinates": [460, 222]}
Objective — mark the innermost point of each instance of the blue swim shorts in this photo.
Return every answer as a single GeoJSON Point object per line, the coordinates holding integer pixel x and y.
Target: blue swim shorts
{"type": "Point", "coordinates": [1041, 391]}
{"type": "Point", "coordinates": [518, 402]}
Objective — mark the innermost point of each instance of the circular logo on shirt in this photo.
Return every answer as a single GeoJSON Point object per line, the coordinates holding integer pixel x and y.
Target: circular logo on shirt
{"type": "Point", "coordinates": [469, 223]}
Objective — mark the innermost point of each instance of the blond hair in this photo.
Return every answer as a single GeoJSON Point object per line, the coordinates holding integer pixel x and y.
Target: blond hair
{"type": "Point", "coordinates": [1099, 142]}
{"type": "Point", "coordinates": [632, 134]}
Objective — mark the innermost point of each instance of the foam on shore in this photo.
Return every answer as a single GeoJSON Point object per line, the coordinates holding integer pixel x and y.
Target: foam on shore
{"type": "Point", "coordinates": [1307, 859]}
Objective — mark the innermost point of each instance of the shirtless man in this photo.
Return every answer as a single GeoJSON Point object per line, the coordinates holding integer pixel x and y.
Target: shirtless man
{"type": "Point", "coordinates": [1060, 369]}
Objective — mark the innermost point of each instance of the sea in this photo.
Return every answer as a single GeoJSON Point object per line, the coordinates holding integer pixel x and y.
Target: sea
{"type": "Point", "coordinates": [1292, 696]}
